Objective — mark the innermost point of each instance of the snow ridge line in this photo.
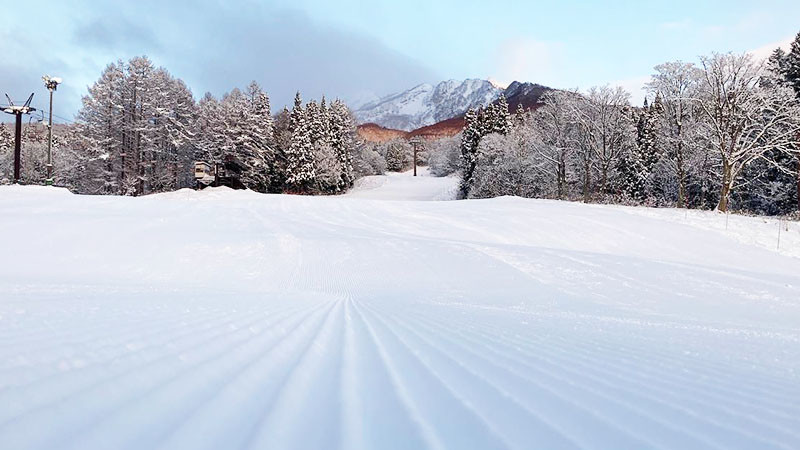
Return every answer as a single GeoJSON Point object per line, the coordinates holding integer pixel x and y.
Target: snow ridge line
{"type": "Point", "coordinates": [582, 372]}
{"type": "Point", "coordinates": [350, 397]}
{"type": "Point", "coordinates": [188, 392]}
{"type": "Point", "coordinates": [428, 433]}
{"type": "Point", "coordinates": [718, 369]}
{"type": "Point", "coordinates": [459, 354]}
{"type": "Point", "coordinates": [112, 383]}
{"type": "Point", "coordinates": [602, 401]}
{"type": "Point", "coordinates": [116, 341]}
{"type": "Point", "coordinates": [470, 416]}
{"type": "Point", "coordinates": [245, 392]}
{"type": "Point", "coordinates": [39, 385]}
{"type": "Point", "coordinates": [255, 433]}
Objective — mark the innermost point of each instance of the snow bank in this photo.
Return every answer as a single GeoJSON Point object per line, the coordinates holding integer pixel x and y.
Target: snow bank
{"type": "Point", "coordinates": [771, 233]}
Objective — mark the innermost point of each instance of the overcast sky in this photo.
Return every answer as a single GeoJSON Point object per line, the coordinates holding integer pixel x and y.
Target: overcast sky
{"type": "Point", "coordinates": [361, 49]}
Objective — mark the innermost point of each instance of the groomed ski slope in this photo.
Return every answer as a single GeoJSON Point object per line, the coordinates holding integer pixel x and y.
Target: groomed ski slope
{"type": "Point", "coordinates": [224, 319]}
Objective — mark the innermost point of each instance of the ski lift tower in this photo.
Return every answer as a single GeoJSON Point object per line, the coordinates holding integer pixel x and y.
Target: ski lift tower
{"type": "Point", "coordinates": [18, 111]}
{"type": "Point", "coordinates": [51, 83]}
{"type": "Point", "coordinates": [416, 142]}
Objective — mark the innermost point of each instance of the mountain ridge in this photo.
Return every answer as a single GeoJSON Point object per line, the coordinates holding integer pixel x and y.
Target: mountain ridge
{"type": "Point", "coordinates": [426, 104]}
{"type": "Point", "coordinates": [380, 128]}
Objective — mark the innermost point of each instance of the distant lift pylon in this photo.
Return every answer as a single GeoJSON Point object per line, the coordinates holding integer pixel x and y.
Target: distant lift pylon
{"type": "Point", "coordinates": [18, 111]}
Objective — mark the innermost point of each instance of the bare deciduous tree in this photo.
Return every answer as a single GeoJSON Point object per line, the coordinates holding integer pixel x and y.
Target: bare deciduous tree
{"type": "Point", "coordinates": [676, 83]}
{"type": "Point", "coordinates": [746, 119]}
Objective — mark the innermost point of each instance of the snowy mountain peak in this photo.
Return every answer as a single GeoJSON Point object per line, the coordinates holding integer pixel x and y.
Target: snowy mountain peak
{"type": "Point", "coordinates": [426, 104]}
{"type": "Point", "coordinates": [497, 84]}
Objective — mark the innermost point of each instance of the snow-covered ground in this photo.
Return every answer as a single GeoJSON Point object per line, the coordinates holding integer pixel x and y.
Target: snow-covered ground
{"type": "Point", "coordinates": [224, 319]}
{"type": "Point", "coordinates": [404, 186]}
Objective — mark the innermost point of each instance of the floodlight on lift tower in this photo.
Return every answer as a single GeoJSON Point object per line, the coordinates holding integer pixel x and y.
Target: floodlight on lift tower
{"type": "Point", "coordinates": [51, 83]}
{"type": "Point", "coordinates": [18, 111]}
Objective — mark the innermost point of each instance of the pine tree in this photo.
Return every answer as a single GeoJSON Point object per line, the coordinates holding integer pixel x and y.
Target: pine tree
{"type": "Point", "coordinates": [282, 130]}
{"type": "Point", "coordinates": [519, 115]}
{"type": "Point", "coordinates": [282, 137]}
{"type": "Point", "coordinates": [325, 111]}
{"type": "Point", "coordinates": [647, 133]}
{"type": "Point", "coordinates": [250, 129]}
{"type": "Point", "coordinates": [300, 173]}
{"type": "Point", "coordinates": [470, 138]}
{"type": "Point", "coordinates": [495, 118]}
{"type": "Point", "coordinates": [342, 139]}
{"type": "Point", "coordinates": [137, 121]}
{"type": "Point", "coordinates": [235, 144]}
{"type": "Point", "coordinates": [500, 120]}
{"type": "Point", "coordinates": [316, 122]}
{"type": "Point", "coordinates": [792, 75]}
{"type": "Point", "coordinates": [632, 176]}
{"type": "Point", "coordinates": [139, 105]}
{"type": "Point", "coordinates": [6, 154]}
{"type": "Point", "coordinates": [169, 133]}
{"type": "Point", "coordinates": [102, 123]}
{"type": "Point", "coordinates": [636, 166]}
{"type": "Point", "coordinates": [209, 130]}
{"type": "Point", "coordinates": [778, 65]}
{"type": "Point", "coordinates": [791, 65]}
{"type": "Point", "coordinates": [787, 65]}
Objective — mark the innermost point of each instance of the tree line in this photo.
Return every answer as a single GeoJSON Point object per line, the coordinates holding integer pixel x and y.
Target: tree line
{"type": "Point", "coordinates": [722, 134]}
{"type": "Point", "coordinates": [140, 130]}
{"type": "Point", "coordinates": [719, 134]}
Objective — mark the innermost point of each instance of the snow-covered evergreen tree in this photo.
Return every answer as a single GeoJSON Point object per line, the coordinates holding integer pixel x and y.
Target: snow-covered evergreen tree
{"type": "Point", "coordinates": [209, 130]}
{"type": "Point", "coordinates": [6, 155]}
{"type": "Point", "coordinates": [470, 138]}
{"type": "Point", "coordinates": [282, 137]}
{"type": "Point", "coordinates": [499, 120]}
{"type": "Point", "coordinates": [494, 119]}
{"type": "Point", "coordinates": [316, 123]}
{"type": "Point", "coordinates": [101, 123]}
{"type": "Point", "coordinates": [342, 136]}
{"type": "Point", "coordinates": [255, 146]}
{"type": "Point", "coordinates": [519, 115]}
{"type": "Point", "coordinates": [398, 154]}
{"type": "Point", "coordinates": [635, 166]}
{"type": "Point", "coordinates": [790, 68]}
{"type": "Point", "coordinates": [300, 174]}
{"type": "Point", "coordinates": [325, 111]}
{"type": "Point", "coordinates": [791, 65]}
{"type": "Point", "coordinates": [137, 121]}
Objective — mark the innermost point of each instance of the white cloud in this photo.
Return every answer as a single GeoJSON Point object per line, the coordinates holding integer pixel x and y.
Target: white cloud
{"type": "Point", "coordinates": [523, 59]}
{"type": "Point", "coordinates": [764, 51]}
{"type": "Point", "coordinates": [635, 87]}
{"type": "Point", "coordinates": [497, 83]}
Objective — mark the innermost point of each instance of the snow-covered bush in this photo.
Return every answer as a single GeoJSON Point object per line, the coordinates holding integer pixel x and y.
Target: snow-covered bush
{"type": "Point", "coordinates": [398, 155]}
{"type": "Point", "coordinates": [444, 156]}
{"type": "Point", "coordinates": [368, 161]}
{"type": "Point", "coordinates": [506, 166]}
